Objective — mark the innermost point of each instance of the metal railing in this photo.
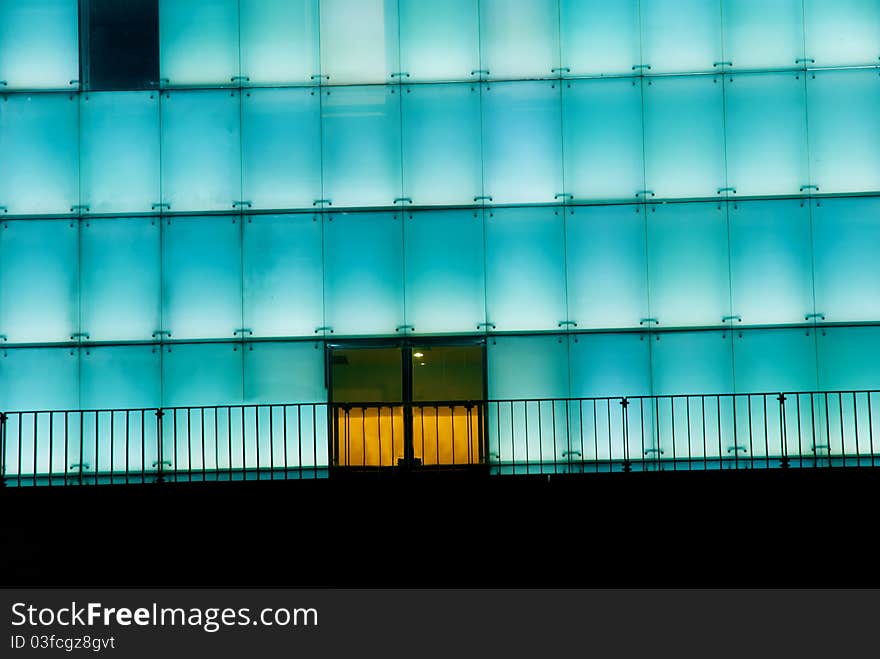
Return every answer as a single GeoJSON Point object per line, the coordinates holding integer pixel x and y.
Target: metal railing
{"type": "Point", "coordinates": [524, 436]}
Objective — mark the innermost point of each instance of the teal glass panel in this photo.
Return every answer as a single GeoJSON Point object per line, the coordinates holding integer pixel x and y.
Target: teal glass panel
{"type": "Point", "coordinates": [849, 358]}
{"type": "Point", "coordinates": [607, 276]}
{"type": "Point", "coordinates": [359, 40]}
{"type": "Point", "coordinates": [279, 41]}
{"type": "Point", "coordinates": [120, 377]}
{"type": "Point", "coordinates": [439, 40]}
{"type": "Point", "coordinates": [38, 280]}
{"type": "Point", "coordinates": [281, 147]}
{"type": "Point", "coordinates": [844, 131]}
{"type": "Point", "coordinates": [445, 282]}
{"type": "Point", "coordinates": [771, 265]}
{"type": "Point", "coordinates": [198, 41]}
{"type": "Point", "coordinates": [361, 145]}
{"type": "Point", "coordinates": [441, 144]}
{"type": "Point", "coordinates": [119, 151]}
{"type": "Point", "coordinates": [692, 363]}
{"type": "Point", "coordinates": [363, 273]}
{"type": "Point", "coordinates": [763, 35]}
{"type": "Point", "coordinates": [774, 360]}
{"type": "Point", "coordinates": [602, 138]}
{"type": "Point", "coordinates": [519, 40]}
{"type": "Point", "coordinates": [119, 278]}
{"type": "Point", "coordinates": [688, 273]}
{"type": "Point", "coordinates": [842, 32]}
{"type": "Point", "coordinates": [39, 43]}
{"type": "Point", "coordinates": [766, 130]}
{"type": "Point", "coordinates": [522, 145]}
{"type": "Point", "coordinates": [201, 374]}
{"type": "Point", "coordinates": [283, 275]}
{"type": "Point", "coordinates": [525, 268]}
{"type": "Point", "coordinates": [682, 36]}
{"type": "Point", "coordinates": [39, 379]}
{"type": "Point", "coordinates": [684, 136]}
{"type": "Point", "coordinates": [201, 272]}
{"type": "Point", "coordinates": [610, 365]}
{"type": "Point", "coordinates": [40, 163]}
{"type": "Point", "coordinates": [599, 37]}
{"type": "Point", "coordinates": [201, 150]}
{"type": "Point", "coordinates": [290, 372]}
{"type": "Point", "coordinates": [846, 233]}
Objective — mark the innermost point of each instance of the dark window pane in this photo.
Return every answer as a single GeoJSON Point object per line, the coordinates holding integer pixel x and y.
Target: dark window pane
{"type": "Point", "coordinates": [120, 45]}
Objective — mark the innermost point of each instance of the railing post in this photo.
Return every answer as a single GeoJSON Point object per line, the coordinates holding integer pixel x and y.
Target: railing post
{"type": "Point", "coordinates": [627, 464]}
{"type": "Point", "coordinates": [785, 463]}
{"type": "Point", "coordinates": [160, 457]}
{"type": "Point", "coordinates": [3, 418]}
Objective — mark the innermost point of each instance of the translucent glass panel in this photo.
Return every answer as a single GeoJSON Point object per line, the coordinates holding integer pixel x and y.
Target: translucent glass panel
{"type": "Point", "coordinates": [39, 379]}
{"type": "Point", "coordinates": [39, 43]}
{"type": "Point", "coordinates": [602, 138]}
{"type": "Point", "coordinates": [525, 268]}
{"type": "Point", "coordinates": [849, 358]}
{"type": "Point", "coordinates": [684, 136]}
{"type": "Point", "coordinates": [283, 275]}
{"type": "Point", "coordinates": [201, 272]}
{"type": "Point", "coordinates": [766, 126]}
{"type": "Point", "coordinates": [120, 279]}
{"type": "Point", "coordinates": [522, 150]}
{"type": "Point", "coordinates": [361, 145]}
{"type": "Point", "coordinates": [363, 273]}
{"type": "Point", "coordinates": [610, 365]}
{"type": "Point", "coordinates": [771, 261]}
{"type": "Point", "coordinates": [774, 360]}
{"type": "Point", "coordinates": [439, 40]}
{"type": "Point", "coordinates": [519, 39]}
{"type": "Point", "coordinates": [844, 131]}
{"type": "Point", "coordinates": [281, 147]}
{"type": "Point", "coordinates": [445, 283]}
{"type": "Point", "coordinates": [38, 280]}
{"type": "Point", "coordinates": [599, 37]}
{"type": "Point", "coordinates": [120, 377]}
{"type": "Point", "coordinates": [606, 261]}
{"type": "Point", "coordinates": [763, 35]}
{"type": "Point", "coordinates": [842, 32]}
{"type": "Point", "coordinates": [119, 151]}
{"type": "Point", "coordinates": [441, 144]}
{"type": "Point", "coordinates": [681, 36]}
{"type": "Point", "coordinates": [544, 358]}
{"type": "Point", "coordinates": [284, 372]}
{"type": "Point", "coordinates": [359, 40]}
{"type": "Point", "coordinates": [202, 374]}
{"type": "Point", "coordinates": [692, 363]}
{"type": "Point", "coordinates": [279, 40]}
{"type": "Point", "coordinates": [688, 272]}
{"type": "Point", "coordinates": [198, 41]}
{"type": "Point", "coordinates": [39, 142]}
{"type": "Point", "coordinates": [201, 150]}
{"type": "Point", "coordinates": [846, 233]}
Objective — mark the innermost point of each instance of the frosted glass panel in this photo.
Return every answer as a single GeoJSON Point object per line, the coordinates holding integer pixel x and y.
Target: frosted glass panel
{"type": "Point", "coordinates": [201, 272]}
{"type": "Point", "coordinates": [610, 365]}
{"type": "Point", "coordinates": [119, 142]}
{"type": "Point", "coordinates": [120, 377]}
{"type": "Point", "coordinates": [522, 149]}
{"type": "Point", "coordinates": [525, 275]}
{"type": "Point", "coordinates": [692, 363]}
{"type": "Point", "coordinates": [599, 36]}
{"type": "Point", "coordinates": [841, 32]}
{"type": "Point", "coordinates": [849, 358]}
{"type": "Point", "coordinates": [519, 39]}
{"type": "Point", "coordinates": [39, 43]}
{"type": "Point", "coordinates": [284, 373]}
{"type": "Point", "coordinates": [844, 131]}
{"type": "Point", "coordinates": [361, 141]}
{"type": "Point", "coordinates": [38, 280]}
{"type": "Point", "coordinates": [279, 40]}
{"type": "Point", "coordinates": [202, 374]}
{"type": "Point", "coordinates": [607, 268]}
{"type": "Point", "coordinates": [120, 279]}
{"type": "Point", "coordinates": [684, 136]}
{"type": "Point", "coordinates": [688, 264]}
{"type": "Point", "coordinates": [198, 41]}
{"type": "Point", "coordinates": [766, 133]}
{"type": "Point", "coordinates": [681, 36]}
{"type": "Point", "coordinates": [359, 40]}
{"type": "Point", "coordinates": [774, 360]}
{"type": "Point", "coordinates": [39, 379]}
{"type": "Point", "coordinates": [602, 121]}
{"type": "Point", "coordinates": [771, 265]}
{"type": "Point", "coordinates": [846, 233]}
{"type": "Point", "coordinates": [201, 166]}
{"type": "Point", "coordinates": [363, 273]}
{"type": "Point", "coordinates": [281, 147]}
{"type": "Point", "coordinates": [441, 144]}
{"type": "Point", "coordinates": [39, 142]}
{"type": "Point", "coordinates": [283, 275]}
{"type": "Point", "coordinates": [445, 284]}
{"type": "Point", "coordinates": [439, 40]}
{"type": "Point", "coordinates": [761, 35]}
{"type": "Point", "coordinates": [544, 358]}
